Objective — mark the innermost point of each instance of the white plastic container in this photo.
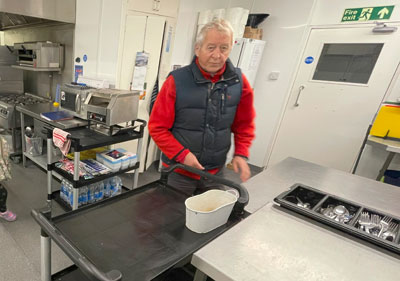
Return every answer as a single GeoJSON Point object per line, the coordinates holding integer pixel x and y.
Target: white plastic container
{"type": "Point", "coordinates": [209, 210]}
{"type": "Point", "coordinates": [112, 159]}
{"type": "Point", "coordinates": [130, 156]}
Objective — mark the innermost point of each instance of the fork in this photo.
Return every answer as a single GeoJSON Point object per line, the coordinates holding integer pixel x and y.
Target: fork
{"type": "Point", "coordinates": [384, 225]}
{"type": "Point", "coordinates": [364, 220]}
{"type": "Point", "coordinates": [374, 223]}
{"type": "Point", "coordinates": [391, 232]}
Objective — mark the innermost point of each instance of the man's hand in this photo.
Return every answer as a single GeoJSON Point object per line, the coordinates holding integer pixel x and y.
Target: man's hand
{"type": "Point", "coordinates": [192, 161]}
{"type": "Point", "coordinates": [240, 165]}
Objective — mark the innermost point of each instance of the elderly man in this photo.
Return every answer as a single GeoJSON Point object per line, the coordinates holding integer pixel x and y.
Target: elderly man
{"type": "Point", "coordinates": [198, 108]}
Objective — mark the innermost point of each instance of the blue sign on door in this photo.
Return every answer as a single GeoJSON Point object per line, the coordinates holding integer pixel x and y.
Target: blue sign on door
{"type": "Point", "coordinates": [309, 60]}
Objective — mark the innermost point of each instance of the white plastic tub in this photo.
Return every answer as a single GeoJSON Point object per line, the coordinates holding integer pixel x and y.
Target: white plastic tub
{"type": "Point", "coordinates": [209, 210]}
{"type": "Point", "coordinates": [112, 159]}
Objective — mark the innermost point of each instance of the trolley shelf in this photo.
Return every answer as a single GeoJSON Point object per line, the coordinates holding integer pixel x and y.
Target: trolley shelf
{"type": "Point", "coordinates": [86, 138]}
{"type": "Point", "coordinates": [67, 208]}
{"type": "Point", "coordinates": [83, 182]}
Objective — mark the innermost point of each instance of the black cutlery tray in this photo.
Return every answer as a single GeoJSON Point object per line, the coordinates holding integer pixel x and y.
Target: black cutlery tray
{"type": "Point", "coordinates": [320, 202]}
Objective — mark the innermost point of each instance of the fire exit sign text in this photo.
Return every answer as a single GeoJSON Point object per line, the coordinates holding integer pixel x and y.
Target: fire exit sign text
{"type": "Point", "coordinates": [367, 13]}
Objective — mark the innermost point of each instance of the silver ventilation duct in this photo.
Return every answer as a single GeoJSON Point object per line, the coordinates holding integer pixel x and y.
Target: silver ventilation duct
{"type": "Point", "coordinates": [24, 13]}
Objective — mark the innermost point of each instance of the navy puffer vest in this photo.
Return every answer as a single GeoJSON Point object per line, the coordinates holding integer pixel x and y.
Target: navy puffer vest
{"type": "Point", "coordinates": [204, 113]}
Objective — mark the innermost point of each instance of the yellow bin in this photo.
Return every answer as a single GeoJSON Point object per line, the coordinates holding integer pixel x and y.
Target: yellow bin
{"type": "Point", "coordinates": [387, 122]}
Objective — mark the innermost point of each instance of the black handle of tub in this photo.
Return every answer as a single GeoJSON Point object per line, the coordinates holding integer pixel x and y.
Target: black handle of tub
{"type": "Point", "coordinates": [243, 193]}
{"type": "Point", "coordinates": [87, 267]}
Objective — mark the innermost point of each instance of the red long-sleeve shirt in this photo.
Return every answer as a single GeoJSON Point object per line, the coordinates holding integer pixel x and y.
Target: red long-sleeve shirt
{"type": "Point", "coordinates": [163, 116]}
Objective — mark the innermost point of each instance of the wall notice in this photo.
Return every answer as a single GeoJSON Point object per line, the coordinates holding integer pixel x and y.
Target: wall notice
{"type": "Point", "coordinates": [367, 13]}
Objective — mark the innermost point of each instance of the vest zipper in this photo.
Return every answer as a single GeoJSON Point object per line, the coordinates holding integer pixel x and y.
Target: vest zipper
{"type": "Point", "coordinates": [223, 103]}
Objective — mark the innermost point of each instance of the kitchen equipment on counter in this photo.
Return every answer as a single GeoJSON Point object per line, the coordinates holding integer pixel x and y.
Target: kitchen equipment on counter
{"type": "Point", "coordinates": [45, 55]}
{"type": "Point", "coordinates": [372, 225]}
{"type": "Point", "coordinates": [106, 108]}
{"type": "Point", "coordinates": [72, 99]}
{"type": "Point", "coordinates": [10, 119]}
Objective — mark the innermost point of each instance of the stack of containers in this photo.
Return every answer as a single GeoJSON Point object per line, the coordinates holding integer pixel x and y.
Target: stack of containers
{"type": "Point", "coordinates": [130, 156]}
{"type": "Point", "coordinates": [117, 159]}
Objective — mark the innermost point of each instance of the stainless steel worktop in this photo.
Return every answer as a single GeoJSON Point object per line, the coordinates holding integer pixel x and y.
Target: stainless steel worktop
{"type": "Point", "coordinates": [276, 244]}
{"type": "Point", "coordinates": [265, 186]}
{"type": "Point", "coordinates": [34, 110]}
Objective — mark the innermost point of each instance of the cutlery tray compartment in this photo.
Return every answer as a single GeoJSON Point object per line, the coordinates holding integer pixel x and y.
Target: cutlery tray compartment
{"type": "Point", "coordinates": [338, 210]}
{"type": "Point", "coordinates": [304, 197]}
{"type": "Point", "coordinates": [361, 221]}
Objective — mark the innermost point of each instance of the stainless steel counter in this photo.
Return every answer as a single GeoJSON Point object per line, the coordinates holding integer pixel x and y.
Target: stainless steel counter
{"type": "Point", "coordinates": [276, 244]}
{"type": "Point", "coordinates": [265, 186]}
{"type": "Point", "coordinates": [34, 110]}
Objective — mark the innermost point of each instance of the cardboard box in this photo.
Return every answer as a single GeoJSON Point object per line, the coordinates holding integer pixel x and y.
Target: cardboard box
{"type": "Point", "coordinates": [253, 33]}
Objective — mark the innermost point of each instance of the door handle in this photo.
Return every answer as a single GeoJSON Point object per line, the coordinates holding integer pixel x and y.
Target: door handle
{"type": "Point", "coordinates": [301, 88]}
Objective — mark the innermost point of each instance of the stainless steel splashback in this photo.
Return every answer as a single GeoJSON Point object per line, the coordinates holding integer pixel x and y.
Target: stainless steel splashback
{"type": "Point", "coordinates": [22, 13]}
{"type": "Point", "coordinates": [11, 80]}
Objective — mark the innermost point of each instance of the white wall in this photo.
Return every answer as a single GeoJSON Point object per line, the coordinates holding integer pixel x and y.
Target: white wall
{"type": "Point", "coordinates": [283, 31]}
{"type": "Point", "coordinates": [187, 25]}
{"type": "Point", "coordinates": [97, 33]}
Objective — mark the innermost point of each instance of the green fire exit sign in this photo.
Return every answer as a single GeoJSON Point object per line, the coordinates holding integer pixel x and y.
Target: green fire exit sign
{"type": "Point", "coordinates": [368, 13]}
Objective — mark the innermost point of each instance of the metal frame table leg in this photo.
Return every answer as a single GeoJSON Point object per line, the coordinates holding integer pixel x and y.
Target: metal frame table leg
{"type": "Point", "coordinates": [75, 191]}
{"type": "Point", "coordinates": [49, 172]}
{"type": "Point", "coordinates": [23, 144]}
{"type": "Point", "coordinates": [200, 276]}
{"type": "Point", "coordinates": [382, 171]}
{"type": "Point", "coordinates": [45, 254]}
{"type": "Point", "coordinates": [136, 173]}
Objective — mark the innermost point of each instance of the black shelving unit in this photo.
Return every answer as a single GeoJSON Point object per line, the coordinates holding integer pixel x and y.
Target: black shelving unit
{"type": "Point", "coordinates": [84, 139]}
{"type": "Point", "coordinates": [84, 182]}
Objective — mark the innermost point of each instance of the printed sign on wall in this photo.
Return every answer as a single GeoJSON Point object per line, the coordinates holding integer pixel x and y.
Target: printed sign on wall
{"type": "Point", "coordinates": [367, 13]}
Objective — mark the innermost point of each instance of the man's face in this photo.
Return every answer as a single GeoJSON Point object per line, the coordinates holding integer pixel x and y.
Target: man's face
{"type": "Point", "coordinates": [214, 50]}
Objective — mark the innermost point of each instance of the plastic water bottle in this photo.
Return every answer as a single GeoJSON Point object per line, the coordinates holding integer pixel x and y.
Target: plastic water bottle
{"type": "Point", "coordinates": [118, 184]}
{"type": "Point", "coordinates": [80, 199]}
{"type": "Point", "coordinates": [90, 193]}
{"type": "Point", "coordinates": [85, 195]}
{"type": "Point", "coordinates": [62, 190]}
{"type": "Point", "coordinates": [67, 191]}
{"type": "Point", "coordinates": [82, 196]}
{"type": "Point", "coordinates": [70, 194]}
{"type": "Point", "coordinates": [101, 190]}
{"type": "Point", "coordinates": [113, 186]}
{"type": "Point", "coordinates": [96, 192]}
{"type": "Point", "coordinates": [107, 188]}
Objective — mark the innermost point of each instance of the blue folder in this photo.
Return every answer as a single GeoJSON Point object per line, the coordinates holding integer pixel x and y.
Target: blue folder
{"type": "Point", "coordinates": [57, 115]}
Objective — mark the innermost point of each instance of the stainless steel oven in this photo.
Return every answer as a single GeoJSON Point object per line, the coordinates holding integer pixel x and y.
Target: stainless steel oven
{"type": "Point", "coordinates": [72, 99]}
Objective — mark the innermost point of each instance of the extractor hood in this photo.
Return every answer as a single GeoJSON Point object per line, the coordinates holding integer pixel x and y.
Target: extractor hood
{"type": "Point", "coordinates": [23, 13]}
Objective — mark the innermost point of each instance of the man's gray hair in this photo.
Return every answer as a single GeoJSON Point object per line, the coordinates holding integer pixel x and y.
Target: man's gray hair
{"type": "Point", "coordinates": [220, 25]}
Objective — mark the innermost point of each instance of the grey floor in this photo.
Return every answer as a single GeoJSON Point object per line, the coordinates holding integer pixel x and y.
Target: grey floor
{"type": "Point", "coordinates": [20, 240]}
